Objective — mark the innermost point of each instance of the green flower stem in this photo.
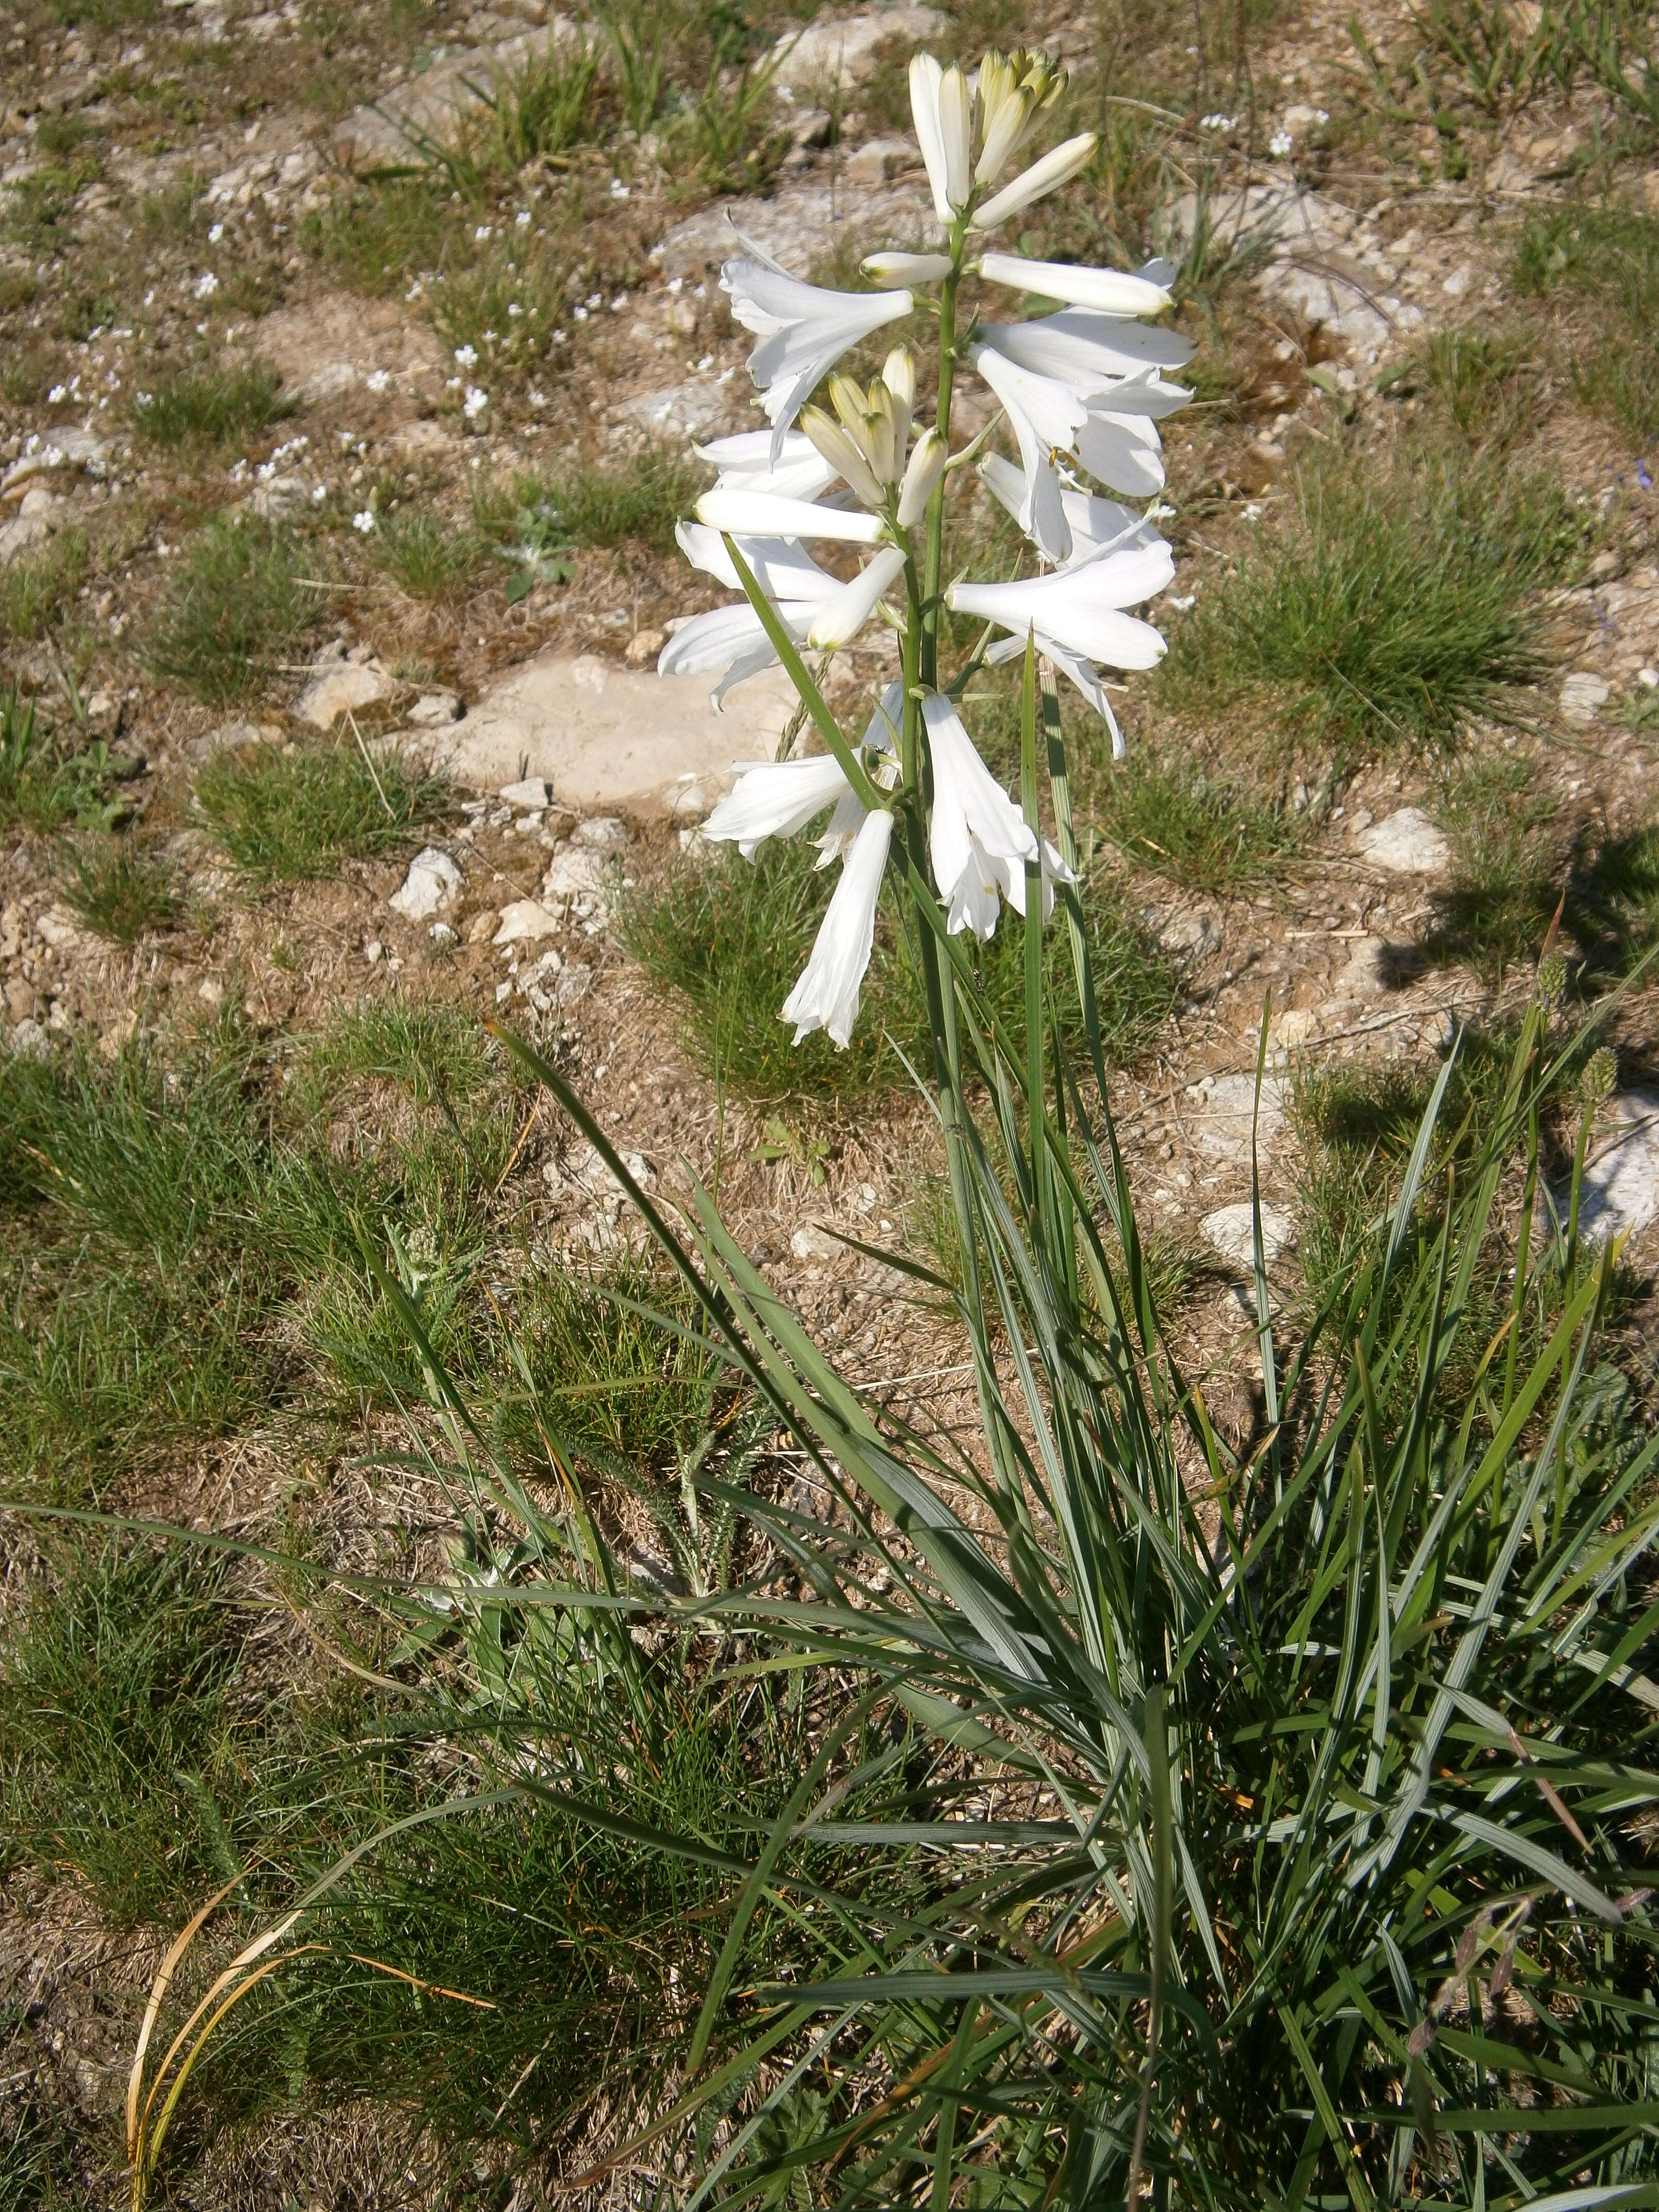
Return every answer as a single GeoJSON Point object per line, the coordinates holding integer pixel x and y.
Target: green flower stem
{"type": "Point", "coordinates": [947, 346]}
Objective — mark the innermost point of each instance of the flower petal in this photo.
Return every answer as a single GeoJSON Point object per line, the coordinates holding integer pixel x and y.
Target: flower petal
{"type": "Point", "coordinates": [746, 514]}
{"type": "Point", "coordinates": [827, 995]}
{"type": "Point", "coordinates": [1054, 169]}
{"type": "Point", "coordinates": [775, 800]}
{"type": "Point", "coordinates": [926, 465]}
{"type": "Point", "coordinates": [840, 619]}
{"type": "Point", "coordinates": [888, 270]}
{"type": "Point", "coordinates": [926, 79]}
{"type": "Point", "coordinates": [1108, 289]}
{"type": "Point", "coordinates": [783, 568]}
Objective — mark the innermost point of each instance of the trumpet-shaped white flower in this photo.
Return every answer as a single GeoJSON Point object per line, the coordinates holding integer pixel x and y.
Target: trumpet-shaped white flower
{"type": "Point", "coordinates": [1046, 418]}
{"type": "Point", "coordinates": [803, 331]}
{"type": "Point", "coordinates": [775, 798]}
{"type": "Point", "coordinates": [978, 840]}
{"type": "Point", "coordinates": [745, 464]}
{"type": "Point", "coordinates": [1093, 352]}
{"type": "Point", "coordinates": [1077, 617]}
{"type": "Point", "coordinates": [783, 568]}
{"type": "Point", "coordinates": [942, 109]}
{"type": "Point", "coordinates": [1097, 525]}
{"type": "Point", "coordinates": [1108, 289]}
{"type": "Point", "coordinates": [1054, 169]}
{"type": "Point", "coordinates": [839, 620]}
{"type": "Point", "coordinates": [732, 640]}
{"type": "Point", "coordinates": [889, 271]}
{"type": "Point", "coordinates": [827, 995]}
{"type": "Point", "coordinates": [759, 514]}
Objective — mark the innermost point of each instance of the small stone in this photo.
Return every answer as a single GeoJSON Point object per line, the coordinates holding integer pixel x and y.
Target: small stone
{"type": "Point", "coordinates": [1458, 282]}
{"type": "Point", "coordinates": [20, 998]}
{"type": "Point", "coordinates": [342, 691]}
{"type": "Point", "coordinates": [375, 953]}
{"type": "Point", "coordinates": [524, 922]}
{"type": "Point", "coordinates": [1648, 678]}
{"type": "Point", "coordinates": [644, 646]}
{"type": "Point", "coordinates": [573, 873]}
{"type": "Point", "coordinates": [211, 991]}
{"type": "Point", "coordinates": [1194, 934]}
{"type": "Point", "coordinates": [433, 880]}
{"type": "Point", "coordinates": [482, 926]}
{"type": "Point", "coordinates": [1294, 1027]}
{"type": "Point", "coordinates": [1583, 696]}
{"type": "Point", "coordinates": [573, 984]}
{"type": "Point", "coordinates": [1620, 1189]}
{"type": "Point", "coordinates": [1408, 843]}
{"type": "Point", "coordinates": [20, 536]}
{"type": "Point", "coordinates": [58, 928]}
{"type": "Point", "coordinates": [879, 159]}
{"type": "Point", "coordinates": [1231, 1230]}
{"type": "Point", "coordinates": [30, 1041]}
{"type": "Point", "coordinates": [604, 833]}
{"type": "Point", "coordinates": [533, 791]}
{"type": "Point", "coordinates": [1230, 1113]}
{"type": "Point", "coordinates": [442, 934]}
{"type": "Point", "coordinates": [433, 710]}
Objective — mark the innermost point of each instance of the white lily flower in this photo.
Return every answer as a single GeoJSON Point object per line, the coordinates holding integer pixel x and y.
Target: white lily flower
{"type": "Point", "coordinates": [745, 464]}
{"type": "Point", "coordinates": [1097, 525]}
{"type": "Point", "coordinates": [926, 465]}
{"type": "Point", "coordinates": [827, 995]}
{"type": "Point", "coordinates": [1108, 289]}
{"type": "Point", "coordinates": [839, 620]}
{"type": "Point", "coordinates": [752, 513]}
{"type": "Point", "coordinates": [1093, 352]}
{"type": "Point", "coordinates": [775, 798]}
{"type": "Point", "coordinates": [978, 840]}
{"type": "Point", "coordinates": [782, 568]}
{"type": "Point", "coordinates": [732, 640]}
{"type": "Point", "coordinates": [803, 331]}
{"type": "Point", "coordinates": [1076, 616]}
{"type": "Point", "coordinates": [942, 109]}
{"type": "Point", "coordinates": [1046, 418]}
{"type": "Point", "coordinates": [1054, 169]}
{"type": "Point", "coordinates": [889, 272]}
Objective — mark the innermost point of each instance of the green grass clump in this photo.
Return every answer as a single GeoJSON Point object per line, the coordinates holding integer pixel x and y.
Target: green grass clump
{"type": "Point", "coordinates": [36, 588]}
{"type": "Point", "coordinates": [1507, 874]}
{"type": "Point", "coordinates": [430, 558]}
{"type": "Point", "coordinates": [503, 301]}
{"type": "Point", "coordinates": [376, 236]}
{"type": "Point", "coordinates": [1608, 259]}
{"type": "Point", "coordinates": [116, 1739]}
{"type": "Point", "coordinates": [1204, 829]}
{"type": "Point", "coordinates": [43, 783]}
{"type": "Point", "coordinates": [235, 610]}
{"type": "Point", "coordinates": [284, 817]}
{"type": "Point", "coordinates": [728, 938]}
{"type": "Point", "coordinates": [210, 409]}
{"type": "Point", "coordinates": [121, 892]}
{"type": "Point", "coordinates": [1391, 608]}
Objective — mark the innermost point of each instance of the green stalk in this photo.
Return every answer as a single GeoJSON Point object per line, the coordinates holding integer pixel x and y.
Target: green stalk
{"type": "Point", "coordinates": [1027, 793]}
{"type": "Point", "coordinates": [947, 346]}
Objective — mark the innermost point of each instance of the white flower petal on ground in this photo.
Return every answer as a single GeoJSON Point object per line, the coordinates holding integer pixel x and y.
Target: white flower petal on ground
{"type": "Point", "coordinates": [827, 995]}
{"type": "Point", "coordinates": [1108, 289]}
{"type": "Point", "coordinates": [774, 800]}
{"type": "Point", "coordinates": [1054, 169]}
{"type": "Point", "coordinates": [744, 463]}
{"type": "Point", "coordinates": [783, 568]}
{"type": "Point", "coordinates": [804, 331]}
{"type": "Point", "coordinates": [839, 620]}
{"type": "Point", "coordinates": [758, 514]}
{"type": "Point", "coordinates": [925, 466]}
{"type": "Point", "coordinates": [1046, 417]}
{"type": "Point", "coordinates": [891, 270]}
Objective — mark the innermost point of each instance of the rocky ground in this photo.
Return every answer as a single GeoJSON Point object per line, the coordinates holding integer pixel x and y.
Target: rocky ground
{"type": "Point", "coordinates": [195, 197]}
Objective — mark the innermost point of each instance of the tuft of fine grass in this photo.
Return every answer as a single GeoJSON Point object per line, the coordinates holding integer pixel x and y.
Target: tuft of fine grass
{"type": "Point", "coordinates": [1391, 606]}
{"type": "Point", "coordinates": [1607, 260]}
{"type": "Point", "coordinates": [236, 610]}
{"type": "Point", "coordinates": [432, 558]}
{"type": "Point", "coordinates": [1507, 874]}
{"type": "Point", "coordinates": [210, 409]}
{"type": "Point", "coordinates": [35, 588]}
{"type": "Point", "coordinates": [1197, 826]}
{"type": "Point", "coordinates": [636, 498]}
{"type": "Point", "coordinates": [121, 892]}
{"type": "Point", "coordinates": [283, 816]}
{"type": "Point", "coordinates": [44, 782]}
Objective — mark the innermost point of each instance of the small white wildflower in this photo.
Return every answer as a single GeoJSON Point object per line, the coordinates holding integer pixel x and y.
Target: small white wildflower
{"type": "Point", "coordinates": [475, 402]}
{"type": "Point", "coordinates": [1279, 144]}
{"type": "Point", "coordinates": [215, 234]}
{"type": "Point", "coordinates": [619, 303]}
{"type": "Point", "coordinates": [559, 337]}
{"type": "Point", "coordinates": [582, 314]}
{"type": "Point", "coordinates": [149, 299]}
{"type": "Point", "coordinates": [594, 299]}
{"type": "Point", "coordinates": [415, 291]}
{"type": "Point", "coordinates": [266, 471]}
{"type": "Point", "coordinates": [59, 393]}
{"type": "Point", "coordinates": [1218, 123]}
{"type": "Point", "coordinates": [676, 284]}
{"type": "Point", "coordinates": [466, 356]}
{"type": "Point", "coordinates": [318, 495]}
{"type": "Point", "coordinates": [378, 379]}
{"type": "Point", "coordinates": [522, 220]}
{"type": "Point", "coordinates": [206, 285]}
{"type": "Point", "coordinates": [363, 520]}
{"type": "Point", "coordinates": [482, 231]}
{"type": "Point", "coordinates": [537, 399]}
{"type": "Point", "coordinates": [513, 309]}
{"type": "Point", "coordinates": [619, 190]}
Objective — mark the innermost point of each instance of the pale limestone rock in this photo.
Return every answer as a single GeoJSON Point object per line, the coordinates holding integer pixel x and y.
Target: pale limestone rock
{"type": "Point", "coordinates": [530, 791]}
{"type": "Point", "coordinates": [1230, 1230]}
{"type": "Point", "coordinates": [436, 710]}
{"type": "Point", "coordinates": [574, 873]}
{"type": "Point", "coordinates": [433, 880]}
{"type": "Point", "coordinates": [610, 738]}
{"type": "Point", "coordinates": [844, 52]}
{"type": "Point", "coordinates": [1227, 1111]}
{"type": "Point", "coordinates": [601, 833]}
{"type": "Point", "coordinates": [878, 159]}
{"type": "Point", "coordinates": [525, 922]}
{"type": "Point", "coordinates": [1620, 1189]}
{"type": "Point", "coordinates": [343, 689]}
{"type": "Point", "coordinates": [801, 225]}
{"type": "Point", "coordinates": [1408, 843]}
{"type": "Point", "coordinates": [1583, 696]}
